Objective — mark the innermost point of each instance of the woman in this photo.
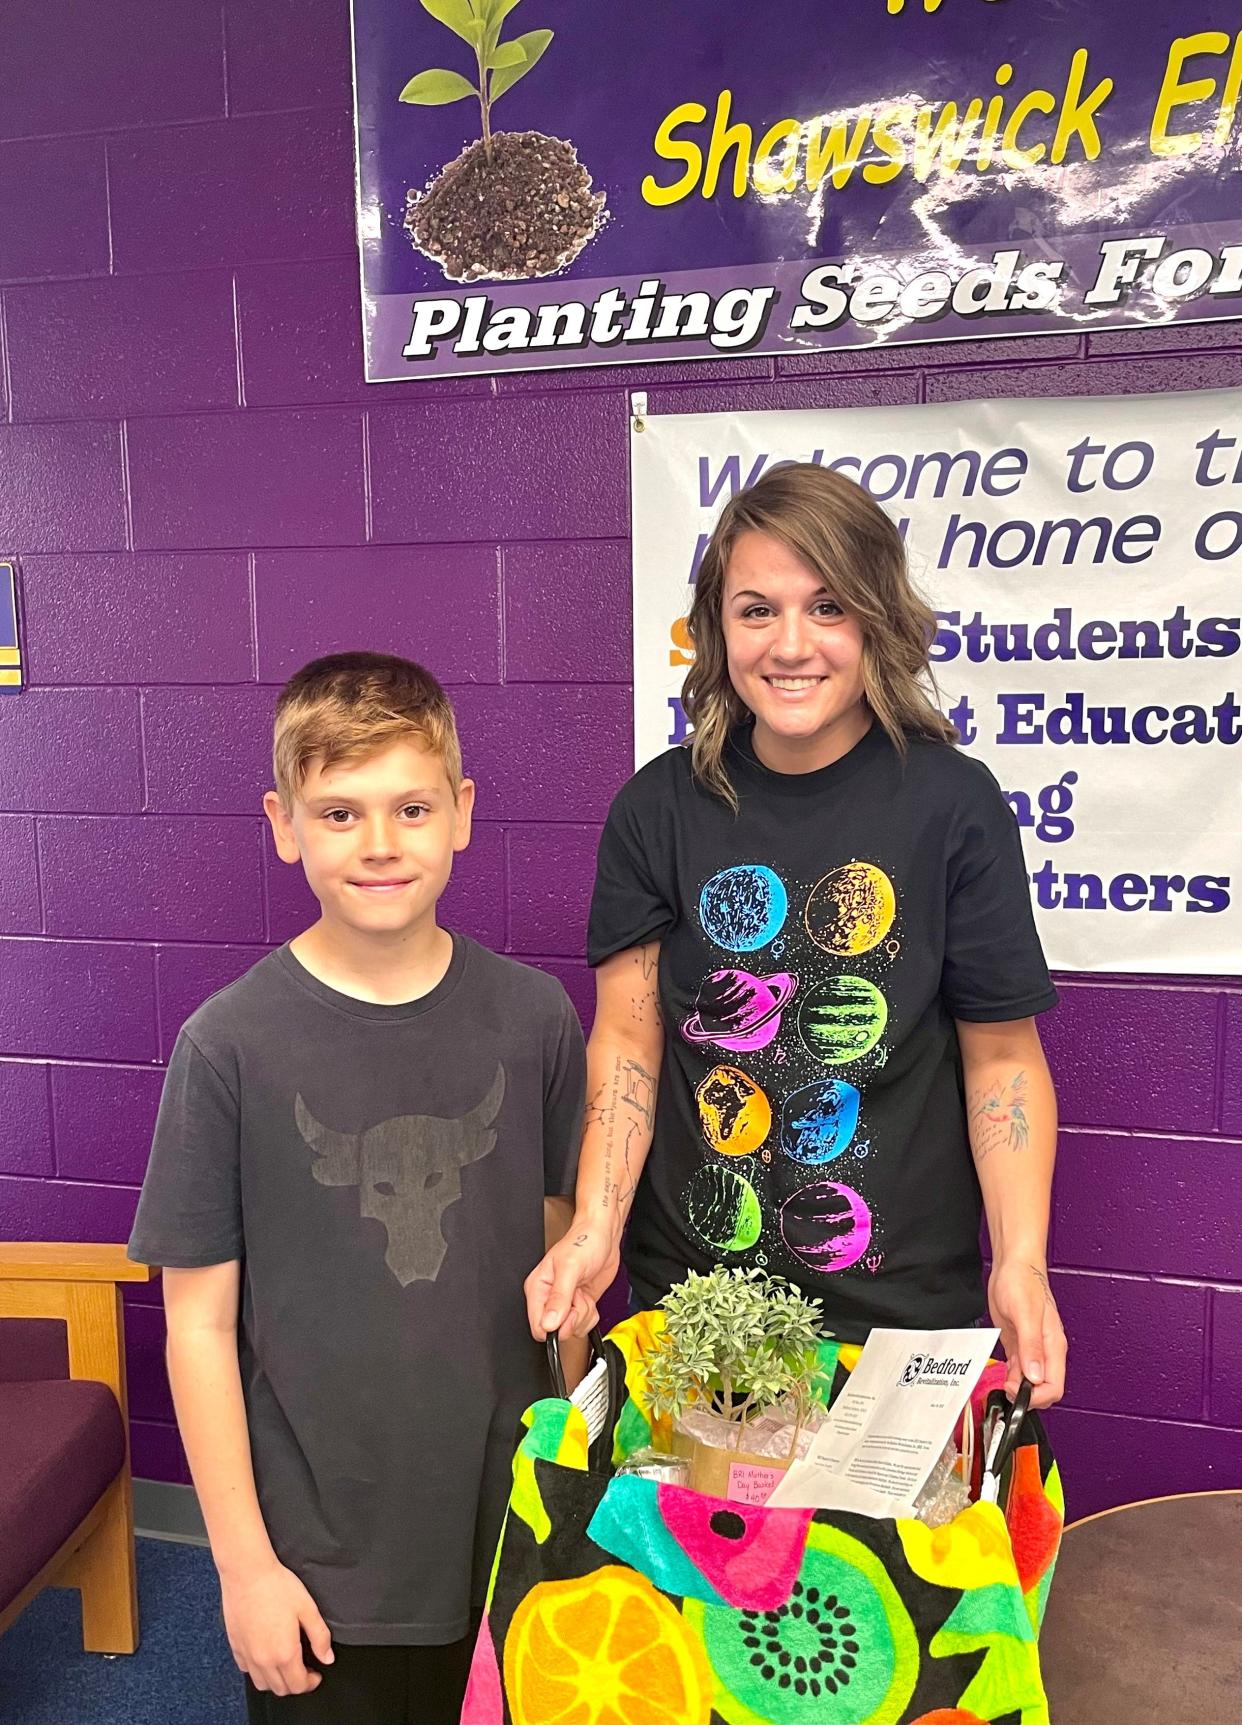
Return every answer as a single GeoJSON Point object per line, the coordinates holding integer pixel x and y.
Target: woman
{"type": "Point", "coordinates": [816, 965]}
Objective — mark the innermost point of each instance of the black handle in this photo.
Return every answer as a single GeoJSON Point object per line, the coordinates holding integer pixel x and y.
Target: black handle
{"type": "Point", "coordinates": [556, 1370]}
{"type": "Point", "coordinates": [599, 1459]}
{"type": "Point", "coordinates": [1014, 1418]}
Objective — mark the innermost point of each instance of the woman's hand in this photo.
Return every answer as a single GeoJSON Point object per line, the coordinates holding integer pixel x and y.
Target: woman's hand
{"type": "Point", "coordinates": [1026, 1315]}
{"type": "Point", "coordinates": [562, 1288]}
{"type": "Point", "coordinates": [265, 1613]}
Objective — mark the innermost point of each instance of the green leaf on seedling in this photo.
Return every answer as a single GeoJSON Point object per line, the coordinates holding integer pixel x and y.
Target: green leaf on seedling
{"type": "Point", "coordinates": [433, 89]}
{"type": "Point", "coordinates": [494, 12]}
{"type": "Point", "coordinates": [508, 54]}
{"type": "Point", "coordinates": [532, 45]}
{"type": "Point", "coordinates": [458, 16]}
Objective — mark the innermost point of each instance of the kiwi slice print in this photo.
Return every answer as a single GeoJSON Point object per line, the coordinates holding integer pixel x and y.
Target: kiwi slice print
{"type": "Point", "coordinates": [841, 1650]}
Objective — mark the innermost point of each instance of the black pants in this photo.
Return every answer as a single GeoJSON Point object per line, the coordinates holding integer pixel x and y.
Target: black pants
{"type": "Point", "coordinates": [374, 1686]}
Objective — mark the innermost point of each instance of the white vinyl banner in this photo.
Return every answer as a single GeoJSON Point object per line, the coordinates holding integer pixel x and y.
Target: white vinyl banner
{"type": "Point", "coordinates": [1084, 558]}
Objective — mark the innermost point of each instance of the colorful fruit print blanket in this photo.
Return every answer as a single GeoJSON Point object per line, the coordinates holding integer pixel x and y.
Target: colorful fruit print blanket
{"type": "Point", "coordinates": [616, 1600]}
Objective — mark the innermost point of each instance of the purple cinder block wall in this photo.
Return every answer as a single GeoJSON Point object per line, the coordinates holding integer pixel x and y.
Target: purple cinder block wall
{"type": "Point", "coordinates": [201, 493]}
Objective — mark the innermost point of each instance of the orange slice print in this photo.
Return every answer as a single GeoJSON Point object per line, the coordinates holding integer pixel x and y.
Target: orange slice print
{"type": "Point", "coordinates": [604, 1649]}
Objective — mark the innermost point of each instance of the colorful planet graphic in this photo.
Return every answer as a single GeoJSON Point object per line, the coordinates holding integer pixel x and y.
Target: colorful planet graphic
{"type": "Point", "coordinates": [735, 1114]}
{"type": "Point", "coordinates": [826, 1226]}
{"type": "Point", "coordinates": [851, 909]}
{"type": "Point", "coordinates": [818, 1121]}
{"type": "Point", "coordinates": [842, 1018]}
{"type": "Point", "coordinates": [743, 908]}
{"type": "Point", "coordinates": [723, 1208]}
{"type": "Point", "coordinates": [739, 1011]}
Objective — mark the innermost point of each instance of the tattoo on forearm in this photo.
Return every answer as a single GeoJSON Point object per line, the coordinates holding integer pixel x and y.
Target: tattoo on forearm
{"type": "Point", "coordinates": [640, 1090]}
{"type": "Point", "coordinates": [633, 1087]}
{"type": "Point", "coordinates": [594, 1115]}
{"type": "Point", "coordinates": [603, 1113]}
{"type": "Point", "coordinates": [628, 1183]}
{"type": "Point", "coordinates": [998, 1118]}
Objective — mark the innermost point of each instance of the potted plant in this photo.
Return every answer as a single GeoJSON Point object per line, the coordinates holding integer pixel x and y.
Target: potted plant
{"type": "Point", "coordinates": [736, 1345]}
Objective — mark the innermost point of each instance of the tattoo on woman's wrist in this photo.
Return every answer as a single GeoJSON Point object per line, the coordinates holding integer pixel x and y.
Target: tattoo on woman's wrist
{"type": "Point", "coordinates": [1041, 1277]}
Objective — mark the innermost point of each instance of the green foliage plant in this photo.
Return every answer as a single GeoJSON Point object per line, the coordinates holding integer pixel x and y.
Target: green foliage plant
{"type": "Point", "coordinates": [737, 1342]}
{"type": "Point", "coordinates": [500, 64]}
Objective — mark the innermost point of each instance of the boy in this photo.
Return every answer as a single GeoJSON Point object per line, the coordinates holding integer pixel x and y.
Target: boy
{"type": "Point", "coordinates": [346, 1188]}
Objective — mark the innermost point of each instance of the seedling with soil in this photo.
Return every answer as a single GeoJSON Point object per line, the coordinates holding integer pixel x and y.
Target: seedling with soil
{"type": "Point", "coordinates": [513, 204]}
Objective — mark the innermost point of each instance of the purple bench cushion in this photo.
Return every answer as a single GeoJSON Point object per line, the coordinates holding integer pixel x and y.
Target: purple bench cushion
{"type": "Point", "coordinates": [61, 1445]}
{"type": "Point", "coordinates": [33, 1348]}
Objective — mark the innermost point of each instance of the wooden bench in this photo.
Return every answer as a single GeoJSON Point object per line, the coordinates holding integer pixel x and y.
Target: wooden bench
{"type": "Point", "coordinates": [66, 1501]}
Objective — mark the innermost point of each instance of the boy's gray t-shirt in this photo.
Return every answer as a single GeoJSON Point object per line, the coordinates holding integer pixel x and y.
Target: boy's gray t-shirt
{"type": "Point", "coordinates": [380, 1171]}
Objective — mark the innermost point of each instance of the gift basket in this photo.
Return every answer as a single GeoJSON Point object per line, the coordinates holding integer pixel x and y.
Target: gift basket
{"type": "Point", "coordinates": [623, 1595]}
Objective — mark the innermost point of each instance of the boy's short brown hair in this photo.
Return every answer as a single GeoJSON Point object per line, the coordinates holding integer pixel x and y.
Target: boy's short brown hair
{"type": "Point", "coordinates": [351, 705]}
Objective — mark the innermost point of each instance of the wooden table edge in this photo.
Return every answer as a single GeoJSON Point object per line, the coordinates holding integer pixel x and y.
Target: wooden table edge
{"type": "Point", "coordinates": [1142, 1502]}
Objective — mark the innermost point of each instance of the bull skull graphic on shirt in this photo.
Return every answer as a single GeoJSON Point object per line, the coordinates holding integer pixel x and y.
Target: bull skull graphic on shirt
{"type": "Point", "coordinates": [407, 1171]}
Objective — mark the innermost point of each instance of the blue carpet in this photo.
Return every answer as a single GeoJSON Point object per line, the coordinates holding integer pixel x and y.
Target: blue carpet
{"type": "Point", "coordinates": [182, 1673]}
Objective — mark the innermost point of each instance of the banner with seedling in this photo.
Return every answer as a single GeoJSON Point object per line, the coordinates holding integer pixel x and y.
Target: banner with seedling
{"type": "Point", "coordinates": [559, 183]}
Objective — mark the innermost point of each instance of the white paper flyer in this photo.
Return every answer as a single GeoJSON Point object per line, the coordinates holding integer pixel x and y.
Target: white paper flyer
{"type": "Point", "coordinates": [888, 1427]}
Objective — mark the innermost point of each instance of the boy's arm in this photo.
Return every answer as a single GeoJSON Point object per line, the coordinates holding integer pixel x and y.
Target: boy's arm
{"type": "Point", "coordinates": [1012, 1120]}
{"type": "Point", "coordinates": [266, 1607]}
{"type": "Point", "coordinates": [624, 1057]}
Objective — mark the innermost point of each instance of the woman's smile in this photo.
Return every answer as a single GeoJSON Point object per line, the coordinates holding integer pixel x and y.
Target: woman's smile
{"type": "Point", "coordinates": [794, 656]}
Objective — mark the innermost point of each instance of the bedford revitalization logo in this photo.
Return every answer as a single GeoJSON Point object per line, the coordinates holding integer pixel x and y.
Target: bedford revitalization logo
{"type": "Point", "coordinates": [921, 1368]}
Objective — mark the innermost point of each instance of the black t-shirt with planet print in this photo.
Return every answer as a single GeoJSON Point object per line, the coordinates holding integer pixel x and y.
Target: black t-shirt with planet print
{"type": "Point", "coordinates": [816, 948]}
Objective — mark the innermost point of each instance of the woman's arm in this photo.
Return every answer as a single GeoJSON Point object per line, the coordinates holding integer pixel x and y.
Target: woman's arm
{"type": "Point", "coordinates": [624, 1056]}
{"type": "Point", "coordinates": [265, 1605]}
{"type": "Point", "coordinates": [1011, 1114]}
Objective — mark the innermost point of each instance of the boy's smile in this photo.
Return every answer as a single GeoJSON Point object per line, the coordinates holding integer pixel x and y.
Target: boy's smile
{"type": "Point", "coordinates": [376, 838]}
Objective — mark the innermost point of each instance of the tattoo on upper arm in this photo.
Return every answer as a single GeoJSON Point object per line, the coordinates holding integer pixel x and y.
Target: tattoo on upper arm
{"type": "Point", "coordinates": [998, 1117]}
{"type": "Point", "coordinates": [645, 1001]}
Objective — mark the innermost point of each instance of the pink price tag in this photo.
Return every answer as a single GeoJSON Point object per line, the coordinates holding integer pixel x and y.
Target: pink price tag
{"type": "Point", "coordinates": [751, 1484]}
